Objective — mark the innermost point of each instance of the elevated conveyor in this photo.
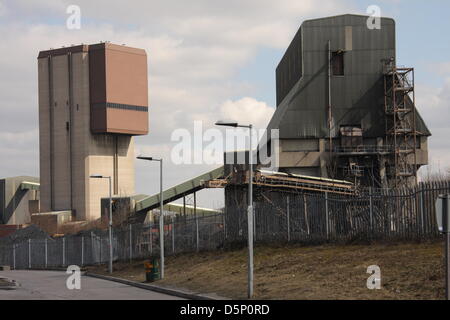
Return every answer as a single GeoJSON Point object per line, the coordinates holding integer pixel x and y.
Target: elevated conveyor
{"type": "Point", "coordinates": [216, 179]}
{"type": "Point", "coordinates": [179, 191]}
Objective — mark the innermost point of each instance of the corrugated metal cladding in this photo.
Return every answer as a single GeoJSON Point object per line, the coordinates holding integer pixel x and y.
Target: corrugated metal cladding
{"type": "Point", "coordinates": [2, 200]}
{"type": "Point", "coordinates": [289, 70]}
{"type": "Point", "coordinates": [357, 97]}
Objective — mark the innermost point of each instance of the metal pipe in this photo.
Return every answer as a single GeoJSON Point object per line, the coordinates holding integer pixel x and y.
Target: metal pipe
{"type": "Point", "coordinates": [161, 219]}
{"type": "Point", "coordinates": [329, 97]}
{"type": "Point", "coordinates": [305, 206]}
{"type": "Point", "coordinates": [82, 250]}
{"type": "Point", "coordinates": [29, 253]}
{"type": "Point", "coordinates": [288, 220]}
{"type": "Point", "coordinates": [64, 251]}
{"type": "Point", "coordinates": [250, 219]}
{"type": "Point", "coordinates": [422, 208]}
{"type": "Point", "coordinates": [110, 229]}
{"type": "Point", "coordinates": [196, 224]}
{"type": "Point", "coordinates": [14, 256]}
{"type": "Point", "coordinates": [447, 268]}
{"type": "Point", "coordinates": [250, 213]}
{"type": "Point", "coordinates": [447, 244]}
{"type": "Point", "coordinates": [131, 242]}
{"type": "Point", "coordinates": [173, 234]}
{"type": "Point", "coordinates": [161, 212]}
{"type": "Point", "coordinates": [116, 164]}
{"type": "Point", "coordinates": [151, 239]}
{"type": "Point", "coordinates": [371, 208]}
{"type": "Point", "coordinates": [327, 216]}
{"type": "Point", "coordinates": [92, 248]}
{"type": "Point", "coordinates": [46, 252]}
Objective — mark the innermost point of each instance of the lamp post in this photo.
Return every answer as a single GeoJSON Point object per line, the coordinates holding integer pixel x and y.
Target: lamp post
{"type": "Point", "coordinates": [161, 214]}
{"type": "Point", "coordinates": [250, 218]}
{"type": "Point", "coordinates": [98, 176]}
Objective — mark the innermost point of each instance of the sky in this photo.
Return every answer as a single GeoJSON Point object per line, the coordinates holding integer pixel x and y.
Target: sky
{"type": "Point", "coordinates": [208, 60]}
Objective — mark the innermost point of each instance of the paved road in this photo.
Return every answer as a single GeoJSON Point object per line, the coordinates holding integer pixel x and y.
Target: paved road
{"type": "Point", "coordinates": [51, 285]}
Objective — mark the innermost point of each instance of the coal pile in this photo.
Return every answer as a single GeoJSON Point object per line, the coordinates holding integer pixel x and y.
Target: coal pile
{"type": "Point", "coordinates": [21, 235]}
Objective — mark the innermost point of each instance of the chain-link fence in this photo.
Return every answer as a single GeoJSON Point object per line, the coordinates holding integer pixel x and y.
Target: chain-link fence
{"type": "Point", "coordinates": [279, 216]}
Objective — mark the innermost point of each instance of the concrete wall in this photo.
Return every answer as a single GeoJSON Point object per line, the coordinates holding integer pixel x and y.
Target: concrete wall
{"type": "Point", "coordinates": [51, 222]}
{"type": "Point", "coordinates": [69, 151]}
{"type": "Point", "coordinates": [312, 161]}
{"type": "Point", "coordinates": [15, 202]}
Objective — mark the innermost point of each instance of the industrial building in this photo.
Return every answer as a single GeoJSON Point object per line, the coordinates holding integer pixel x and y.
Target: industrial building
{"type": "Point", "coordinates": [344, 108]}
{"type": "Point", "coordinates": [19, 198]}
{"type": "Point", "coordinates": [92, 100]}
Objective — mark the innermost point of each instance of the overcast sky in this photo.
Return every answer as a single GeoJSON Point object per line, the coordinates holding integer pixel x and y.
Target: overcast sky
{"type": "Point", "coordinates": [207, 60]}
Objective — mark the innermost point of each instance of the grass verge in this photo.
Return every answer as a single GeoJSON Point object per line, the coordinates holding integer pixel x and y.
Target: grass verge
{"type": "Point", "coordinates": [408, 271]}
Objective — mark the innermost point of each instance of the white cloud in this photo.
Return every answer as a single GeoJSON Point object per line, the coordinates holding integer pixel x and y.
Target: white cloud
{"type": "Point", "coordinates": [247, 110]}
{"type": "Point", "coordinates": [434, 107]}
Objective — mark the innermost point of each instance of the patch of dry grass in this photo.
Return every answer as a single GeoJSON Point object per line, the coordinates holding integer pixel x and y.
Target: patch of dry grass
{"type": "Point", "coordinates": [408, 271]}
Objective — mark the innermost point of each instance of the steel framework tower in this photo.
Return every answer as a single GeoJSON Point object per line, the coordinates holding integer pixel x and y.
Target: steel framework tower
{"type": "Point", "coordinates": [401, 130]}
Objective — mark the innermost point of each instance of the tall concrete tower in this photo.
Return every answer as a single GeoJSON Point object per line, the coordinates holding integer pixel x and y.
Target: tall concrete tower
{"type": "Point", "coordinates": [92, 100]}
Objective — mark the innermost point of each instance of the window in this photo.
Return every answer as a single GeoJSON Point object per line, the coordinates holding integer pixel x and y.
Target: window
{"type": "Point", "coordinates": [337, 63]}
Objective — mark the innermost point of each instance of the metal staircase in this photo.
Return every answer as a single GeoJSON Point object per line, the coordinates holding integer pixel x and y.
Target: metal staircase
{"type": "Point", "coordinates": [401, 130]}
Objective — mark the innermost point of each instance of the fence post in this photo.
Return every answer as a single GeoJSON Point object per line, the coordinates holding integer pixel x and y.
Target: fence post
{"type": "Point", "coordinates": [173, 235]}
{"type": "Point", "coordinates": [29, 253]}
{"type": "Point", "coordinates": [46, 253]}
{"type": "Point", "coordinates": [288, 220]}
{"type": "Point", "coordinates": [371, 208]}
{"type": "Point", "coordinates": [100, 246]}
{"type": "Point", "coordinates": [151, 239]}
{"type": "Point", "coordinates": [197, 240]}
{"type": "Point", "coordinates": [306, 213]}
{"type": "Point", "coordinates": [14, 256]}
{"type": "Point", "coordinates": [224, 226]}
{"type": "Point", "coordinates": [327, 216]}
{"type": "Point", "coordinates": [92, 248]}
{"type": "Point", "coordinates": [422, 220]}
{"type": "Point", "coordinates": [82, 250]}
{"type": "Point", "coordinates": [131, 241]}
{"type": "Point", "coordinates": [254, 223]}
{"type": "Point", "coordinates": [64, 251]}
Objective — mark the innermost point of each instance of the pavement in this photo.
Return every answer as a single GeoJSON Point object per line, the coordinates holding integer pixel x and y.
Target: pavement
{"type": "Point", "coordinates": [51, 285]}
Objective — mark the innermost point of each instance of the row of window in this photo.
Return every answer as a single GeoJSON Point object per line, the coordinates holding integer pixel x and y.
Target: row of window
{"type": "Point", "coordinates": [121, 106]}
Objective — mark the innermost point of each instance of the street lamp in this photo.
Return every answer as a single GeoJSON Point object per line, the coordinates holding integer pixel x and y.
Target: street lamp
{"type": "Point", "coordinates": [250, 203]}
{"type": "Point", "coordinates": [98, 176]}
{"type": "Point", "coordinates": [161, 214]}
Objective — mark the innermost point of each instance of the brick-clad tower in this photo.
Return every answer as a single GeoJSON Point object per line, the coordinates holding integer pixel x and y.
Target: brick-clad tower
{"type": "Point", "coordinates": [92, 100]}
